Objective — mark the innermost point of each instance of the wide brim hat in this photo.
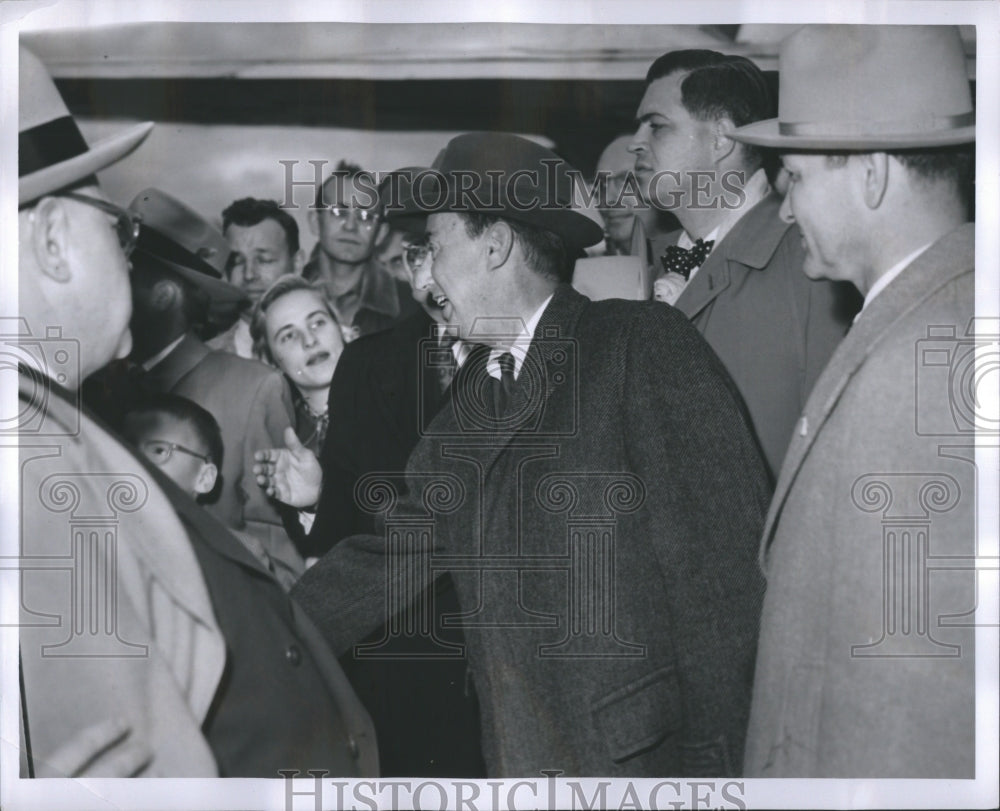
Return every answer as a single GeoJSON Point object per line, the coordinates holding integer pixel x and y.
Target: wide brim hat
{"type": "Point", "coordinates": [506, 176]}
{"type": "Point", "coordinates": [869, 87]}
{"type": "Point", "coordinates": [186, 243]}
{"type": "Point", "coordinates": [52, 152]}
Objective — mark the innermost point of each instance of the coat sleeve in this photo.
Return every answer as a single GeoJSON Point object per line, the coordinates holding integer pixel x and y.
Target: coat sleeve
{"type": "Point", "coordinates": [270, 412]}
{"type": "Point", "coordinates": [688, 438]}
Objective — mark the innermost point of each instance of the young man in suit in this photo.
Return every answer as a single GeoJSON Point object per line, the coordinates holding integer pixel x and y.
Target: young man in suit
{"type": "Point", "coordinates": [591, 485]}
{"type": "Point", "coordinates": [866, 667]}
{"type": "Point", "coordinates": [174, 654]}
{"type": "Point", "coordinates": [735, 267]}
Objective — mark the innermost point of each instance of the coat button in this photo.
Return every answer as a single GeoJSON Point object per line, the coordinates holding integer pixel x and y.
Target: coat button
{"type": "Point", "coordinates": [352, 747]}
{"type": "Point", "coordinates": [293, 655]}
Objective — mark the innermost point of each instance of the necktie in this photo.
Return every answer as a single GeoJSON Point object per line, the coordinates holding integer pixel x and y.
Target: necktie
{"type": "Point", "coordinates": [503, 386]}
{"type": "Point", "coordinates": [681, 260]}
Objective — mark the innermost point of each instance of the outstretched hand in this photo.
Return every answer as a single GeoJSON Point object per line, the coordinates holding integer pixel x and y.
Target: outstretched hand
{"type": "Point", "coordinates": [291, 474]}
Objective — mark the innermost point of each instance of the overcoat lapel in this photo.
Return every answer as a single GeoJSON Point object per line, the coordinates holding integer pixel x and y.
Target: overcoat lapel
{"type": "Point", "coordinates": [550, 365]}
{"type": "Point", "coordinates": [947, 259]}
{"type": "Point", "coordinates": [748, 246]}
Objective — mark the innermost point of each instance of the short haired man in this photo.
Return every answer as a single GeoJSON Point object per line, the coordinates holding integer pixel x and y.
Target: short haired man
{"type": "Point", "coordinates": [252, 403]}
{"type": "Point", "coordinates": [619, 648]}
{"type": "Point", "coordinates": [264, 243]}
{"type": "Point", "coordinates": [348, 222]}
{"type": "Point", "coordinates": [735, 267]}
{"type": "Point", "coordinates": [178, 632]}
{"type": "Point", "coordinates": [866, 666]}
{"type": "Point", "coordinates": [621, 204]}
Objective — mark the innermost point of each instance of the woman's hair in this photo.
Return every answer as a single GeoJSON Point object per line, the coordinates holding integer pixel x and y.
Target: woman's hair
{"type": "Point", "coordinates": [282, 286]}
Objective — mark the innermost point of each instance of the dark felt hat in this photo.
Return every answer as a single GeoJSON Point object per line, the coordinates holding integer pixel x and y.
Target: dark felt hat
{"type": "Point", "coordinates": [504, 175]}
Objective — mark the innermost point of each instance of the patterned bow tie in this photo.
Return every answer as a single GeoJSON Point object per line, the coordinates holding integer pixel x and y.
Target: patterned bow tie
{"type": "Point", "coordinates": [681, 260]}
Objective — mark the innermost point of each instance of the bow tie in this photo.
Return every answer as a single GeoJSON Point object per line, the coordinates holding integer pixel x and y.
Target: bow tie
{"type": "Point", "coordinates": [682, 260]}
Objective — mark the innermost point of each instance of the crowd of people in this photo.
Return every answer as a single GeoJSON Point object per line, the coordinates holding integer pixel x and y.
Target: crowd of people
{"type": "Point", "coordinates": [615, 538]}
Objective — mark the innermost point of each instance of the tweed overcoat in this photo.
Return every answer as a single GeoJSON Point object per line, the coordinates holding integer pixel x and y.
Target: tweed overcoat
{"type": "Point", "coordinates": [252, 404]}
{"type": "Point", "coordinates": [601, 540]}
{"type": "Point", "coordinates": [865, 666]}
{"type": "Point", "coordinates": [773, 328]}
{"type": "Point", "coordinates": [101, 528]}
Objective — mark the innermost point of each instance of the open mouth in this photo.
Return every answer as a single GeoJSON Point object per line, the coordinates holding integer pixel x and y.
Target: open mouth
{"type": "Point", "coordinates": [445, 305]}
{"type": "Point", "coordinates": [319, 357]}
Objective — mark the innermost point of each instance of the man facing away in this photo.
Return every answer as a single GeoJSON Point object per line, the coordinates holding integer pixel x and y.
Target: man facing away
{"type": "Point", "coordinates": [181, 656]}
{"type": "Point", "coordinates": [866, 667]}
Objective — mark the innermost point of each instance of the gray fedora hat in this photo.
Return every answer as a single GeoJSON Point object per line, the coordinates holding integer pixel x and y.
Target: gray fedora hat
{"type": "Point", "coordinates": [52, 152]}
{"type": "Point", "coordinates": [869, 87]}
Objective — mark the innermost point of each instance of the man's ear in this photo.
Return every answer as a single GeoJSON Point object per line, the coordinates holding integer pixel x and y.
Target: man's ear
{"type": "Point", "coordinates": [205, 482]}
{"type": "Point", "coordinates": [722, 145]}
{"type": "Point", "coordinates": [298, 262]}
{"type": "Point", "coordinates": [164, 295]}
{"type": "Point", "coordinates": [875, 178]}
{"type": "Point", "coordinates": [499, 242]}
{"type": "Point", "coordinates": [50, 238]}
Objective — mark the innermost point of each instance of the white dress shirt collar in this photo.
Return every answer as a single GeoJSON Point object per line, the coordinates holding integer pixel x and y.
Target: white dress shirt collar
{"type": "Point", "coordinates": [519, 348]}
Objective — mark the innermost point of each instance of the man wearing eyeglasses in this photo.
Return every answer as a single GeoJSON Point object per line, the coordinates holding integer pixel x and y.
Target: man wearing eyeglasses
{"type": "Point", "coordinates": [151, 643]}
{"type": "Point", "coordinates": [347, 219]}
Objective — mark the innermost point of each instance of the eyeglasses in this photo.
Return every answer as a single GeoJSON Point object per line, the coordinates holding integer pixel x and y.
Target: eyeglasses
{"type": "Point", "coordinates": [366, 216]}
{"type": "Point", "coordinates": [126, 225]}
{"type": "Point", "coordinates": [416, 253]}
{"type": "Point", "coordinates": [159, 451]}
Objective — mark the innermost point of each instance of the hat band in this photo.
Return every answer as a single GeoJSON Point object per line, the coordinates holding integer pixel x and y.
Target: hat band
{"type": "Point", "coordinates": [932, 123]}
{"type": "Point", "coordinates": [47, 144]}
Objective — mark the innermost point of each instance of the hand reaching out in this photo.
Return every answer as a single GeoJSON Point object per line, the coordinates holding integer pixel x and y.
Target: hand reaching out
{"type": "Point", "coordinates": [291, 474]}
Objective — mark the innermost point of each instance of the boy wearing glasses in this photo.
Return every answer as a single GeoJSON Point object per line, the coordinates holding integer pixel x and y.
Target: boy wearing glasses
{"type": "Point", "coordinates": [179, 437]}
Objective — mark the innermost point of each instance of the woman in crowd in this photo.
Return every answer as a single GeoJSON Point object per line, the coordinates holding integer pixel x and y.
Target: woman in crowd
{"type": "Point", "coordinates": [294, 330]}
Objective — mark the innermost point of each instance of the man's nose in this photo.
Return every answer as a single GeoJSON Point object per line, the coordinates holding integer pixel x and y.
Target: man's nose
{"type": "Point", "coordinates": [785, 212]}
{"type": "Point", "coordinates": [352, 223]}
{"type": "Point", "coordinates": [250, 271]}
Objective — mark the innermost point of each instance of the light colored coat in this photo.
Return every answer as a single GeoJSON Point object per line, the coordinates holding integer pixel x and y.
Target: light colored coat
{"type": "Point", "coordinates": [159, 667]}
{"type": "Point", "coordinates": [874, 507]}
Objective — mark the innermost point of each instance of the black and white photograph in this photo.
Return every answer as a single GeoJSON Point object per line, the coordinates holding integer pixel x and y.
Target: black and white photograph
{"type": "Point", "coordinates": [499, 405]}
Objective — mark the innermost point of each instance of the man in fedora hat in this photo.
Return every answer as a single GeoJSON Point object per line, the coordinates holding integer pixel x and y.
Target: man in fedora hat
{"type": "Point", "coordinates": [596, 506]}
{"type": "Point", "coordinates": [150, 641]}
{"type": "Point", "coordinates": [172, 288]}
{"type": "Point", "coordinates": [734, 268]}
{"type": "Point", "coordinates": [866, 665]}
